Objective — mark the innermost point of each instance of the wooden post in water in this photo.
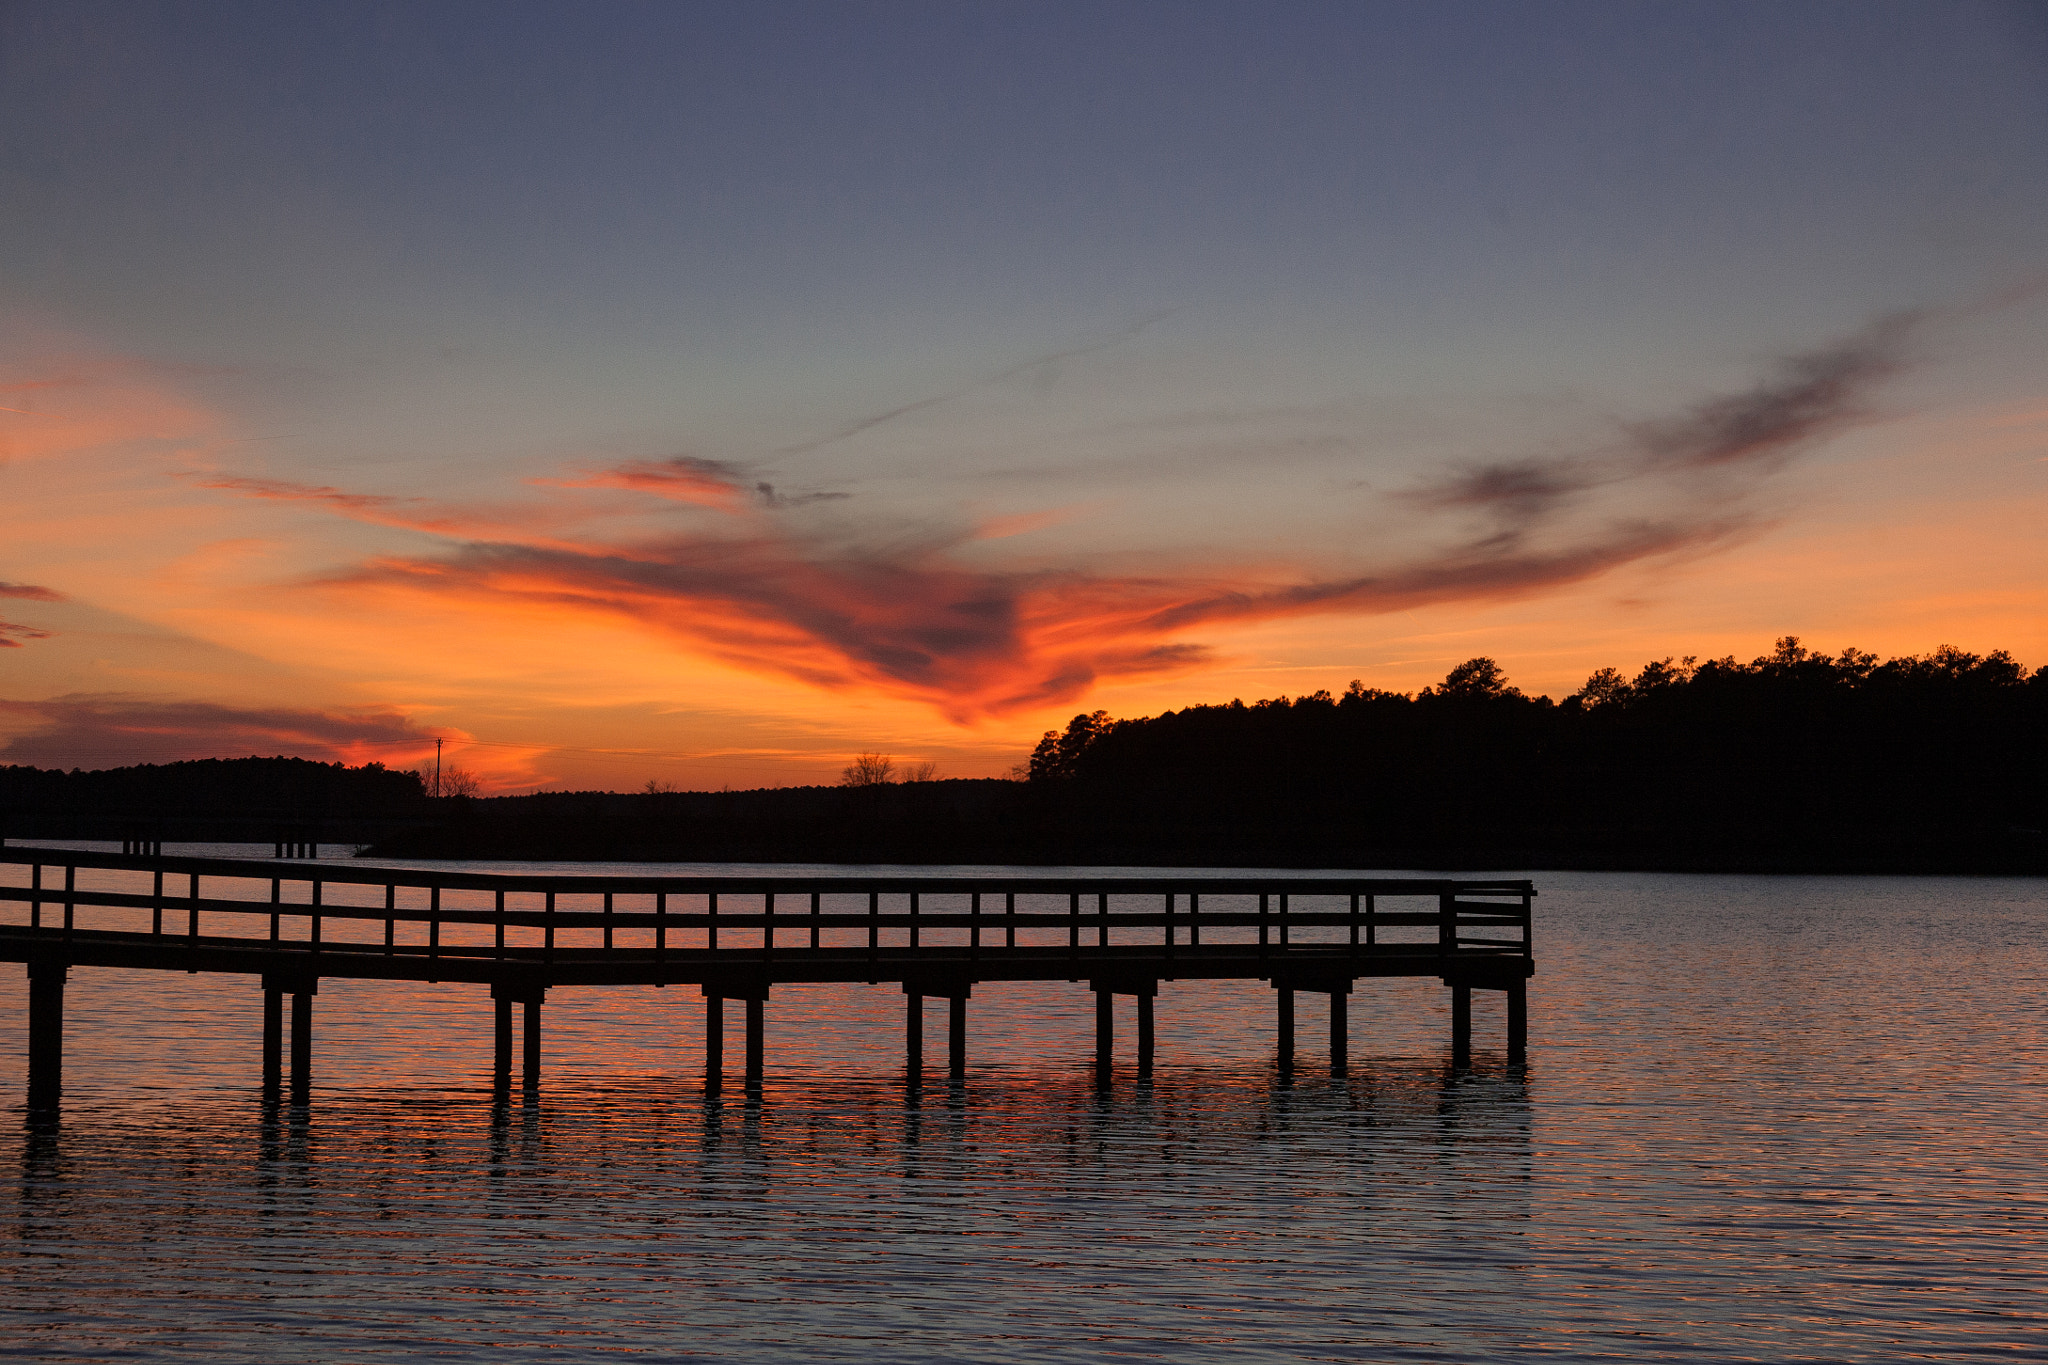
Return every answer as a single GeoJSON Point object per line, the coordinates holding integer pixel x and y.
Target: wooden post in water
{"type": "Point", "coordinates": [1144, 1033]}
{"type": "Point", "coordinates": [714, 1042]}
{"type": "Point", "coordinates": [756, 1028]}
{"type": "Point", "coordinates": [273, 1039]}
{"type": "Point", "coordinates": [1105, 1031]}
{"type": "Point", "coordinates": [1518, 1023]}
{"type": "Point", "coordinates": [1340, 1030]}
{"type": "Point", "coordinates": [501, 1048]}
{"type": "Point", "coordinates": [302, 1039]}
{"type": "Point", "coordinates": [913, 1036]}
{"type": "Point", "coordinates": [45, 1036]}
{"type": "Point", "coordinates": [956, 1036]}
{"type": "Point", "coordinates": [1461, 1025]}
{"type": "Point", "coordinates": [530, 1068]}
{"type": "Point", "coordinates": [1285, 997]}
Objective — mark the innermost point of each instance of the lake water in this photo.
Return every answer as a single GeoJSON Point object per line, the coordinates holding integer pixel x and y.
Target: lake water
{"type": "Point", "coordinates": [1764, 1118]}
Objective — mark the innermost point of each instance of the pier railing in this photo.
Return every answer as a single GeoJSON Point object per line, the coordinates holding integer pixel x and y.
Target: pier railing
{"type": "Point", "coordinates": [293, 923]}
{"type": "Point", "coordinates": [329, 917]}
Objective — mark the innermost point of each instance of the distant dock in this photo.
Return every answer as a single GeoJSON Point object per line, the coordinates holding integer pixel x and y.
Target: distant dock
{"type": "Point", "coordinates": [288, 925]}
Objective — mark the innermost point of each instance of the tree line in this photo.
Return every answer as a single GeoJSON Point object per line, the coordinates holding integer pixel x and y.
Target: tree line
{"type": "Point", "coordinates": [1797, 759]}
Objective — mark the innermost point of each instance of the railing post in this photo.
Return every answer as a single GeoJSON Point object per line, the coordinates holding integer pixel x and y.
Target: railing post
{"type": "Point", "coordinates": [1447, 923]}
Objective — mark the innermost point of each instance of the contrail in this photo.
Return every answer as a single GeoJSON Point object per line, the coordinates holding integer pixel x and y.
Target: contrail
{"type": "Point", "coordinates": [1022, 367]}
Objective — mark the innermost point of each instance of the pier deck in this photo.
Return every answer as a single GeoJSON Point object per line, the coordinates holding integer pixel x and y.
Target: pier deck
{"type": "Point", "coordinates": [289, 924]}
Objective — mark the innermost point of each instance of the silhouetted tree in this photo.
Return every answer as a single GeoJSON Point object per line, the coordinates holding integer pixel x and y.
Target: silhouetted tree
{"type": "Point", "coordinates": [868, 770]}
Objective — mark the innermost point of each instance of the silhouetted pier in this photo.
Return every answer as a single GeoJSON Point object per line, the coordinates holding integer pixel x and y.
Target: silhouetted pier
{"type": "Point", "coordinates": [288, 926]}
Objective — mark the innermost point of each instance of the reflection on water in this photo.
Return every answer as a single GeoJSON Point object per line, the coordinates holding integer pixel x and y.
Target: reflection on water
{"type": "Point", "coordinates": [1780, 1119]}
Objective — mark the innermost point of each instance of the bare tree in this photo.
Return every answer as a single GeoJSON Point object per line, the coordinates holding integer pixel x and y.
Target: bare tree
{"type": "Point", "coordinates": [927, 771]}
{"type": "Point", "coordinates": [868, 770]}
{"type": "Point", "coordinates": [459, 782]}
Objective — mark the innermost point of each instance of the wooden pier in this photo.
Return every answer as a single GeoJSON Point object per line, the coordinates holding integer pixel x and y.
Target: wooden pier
{"type": "Point", "coordinates": [289, 925]}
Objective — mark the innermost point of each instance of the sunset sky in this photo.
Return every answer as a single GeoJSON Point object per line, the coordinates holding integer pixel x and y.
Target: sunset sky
{"type": "Point", "coordinates": [703, 394]}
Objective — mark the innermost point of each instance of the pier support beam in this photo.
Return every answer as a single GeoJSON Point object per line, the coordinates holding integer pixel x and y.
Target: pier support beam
{"type": "Point", "coordinates": [273, 1039]}
{"type": "Point", "coordinates": [1340, 1031]}
{"type": "Point", "coordinates": [45, 1036]}
{"type": "Point", "coordinates": [1106, 992]}
{"type": "Point", "coordinates": [955, 992]}
{"type": "Point", "coordinates": [714, 1044]}
{"type": "Point", "coordinates": [1284, 996]}
{"type": "Point", "coordinates": [756, 1031]}
{"type": "Point", "coordinates": [1461, 1025]}
{"type": "Point", "coordinates": [1518, 1023]}
{"type": "Point", "coordinates": [1144, 1035]}
{"type": "Point", "coordinates": [1105, 1033]}
{"type": "Point", "coordinates": [501, 1049]}
{"type": "Point", "coordinates": [302, 1039]}
{"type": "Point", "coordinates": [529, 1072]}
{"type": "Point", "coordinates": [504, 995]}
{"type": "Point", "coordinates": [913, 1036]}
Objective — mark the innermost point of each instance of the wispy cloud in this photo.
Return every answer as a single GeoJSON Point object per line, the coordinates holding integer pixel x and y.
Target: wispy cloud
{"type": "Point", "coordinates": [904, 612]}
{"type": "Point", "coordinates": [30, 592]}
{"type": "Point", "coordinates": [1041, 367]}
{"type": "Point", "coordinates": [11, 635]}
{"type": "Point", "coordinates": [1710, 451]}
{"type": "Point", "coordinates": [118, 729]}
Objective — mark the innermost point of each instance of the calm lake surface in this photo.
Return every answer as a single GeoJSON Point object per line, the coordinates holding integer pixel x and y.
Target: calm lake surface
{"type": "Point", "coordinates": [1764, 1118]}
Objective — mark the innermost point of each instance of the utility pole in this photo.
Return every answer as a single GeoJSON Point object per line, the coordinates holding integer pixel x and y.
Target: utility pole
{"type": "Point", "coordinates": [437, 767]}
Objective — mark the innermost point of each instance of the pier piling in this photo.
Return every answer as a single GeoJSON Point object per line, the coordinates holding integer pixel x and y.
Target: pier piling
{"type": "Point", "coordinates": [530, 1062]}
{"type": "Point", "coordinates": [956, 1037]}
{"type": "Point", "coordinates": [1518, 1023]}
{"type": "Point", "coordinates": [273, 1039]}
{"type": "Point", "coordinates": [1144, 1034]}
{"type": "Point", "coordinates": [913, 1036]}
{"type": "Point", "coordinates": [714, 1042]}
{"type": "Point", "coordinates": [1285, 1004]}
{"type": "Point", "coordinates": [302, 1040]}
{"type": "Point", "coordinates": [1105, 1032]}
{"type": "Point", "coordinates": [1340, 1031]}
{"type": "Point", "coordinates": [1461, 1025]}
{"type": "Point", "coordinates": [501, 1048]}
{"type": "Point", "coordinates": [756, 1029]}
{"type": "Point", "coordinates": [45, 1035]}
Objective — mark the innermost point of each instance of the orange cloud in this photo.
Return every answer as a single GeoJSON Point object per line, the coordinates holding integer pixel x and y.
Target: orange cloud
{"type": "Point", "coordinates": [682, 478]}
{"type": "Point", "coordinates": [902, 615]}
